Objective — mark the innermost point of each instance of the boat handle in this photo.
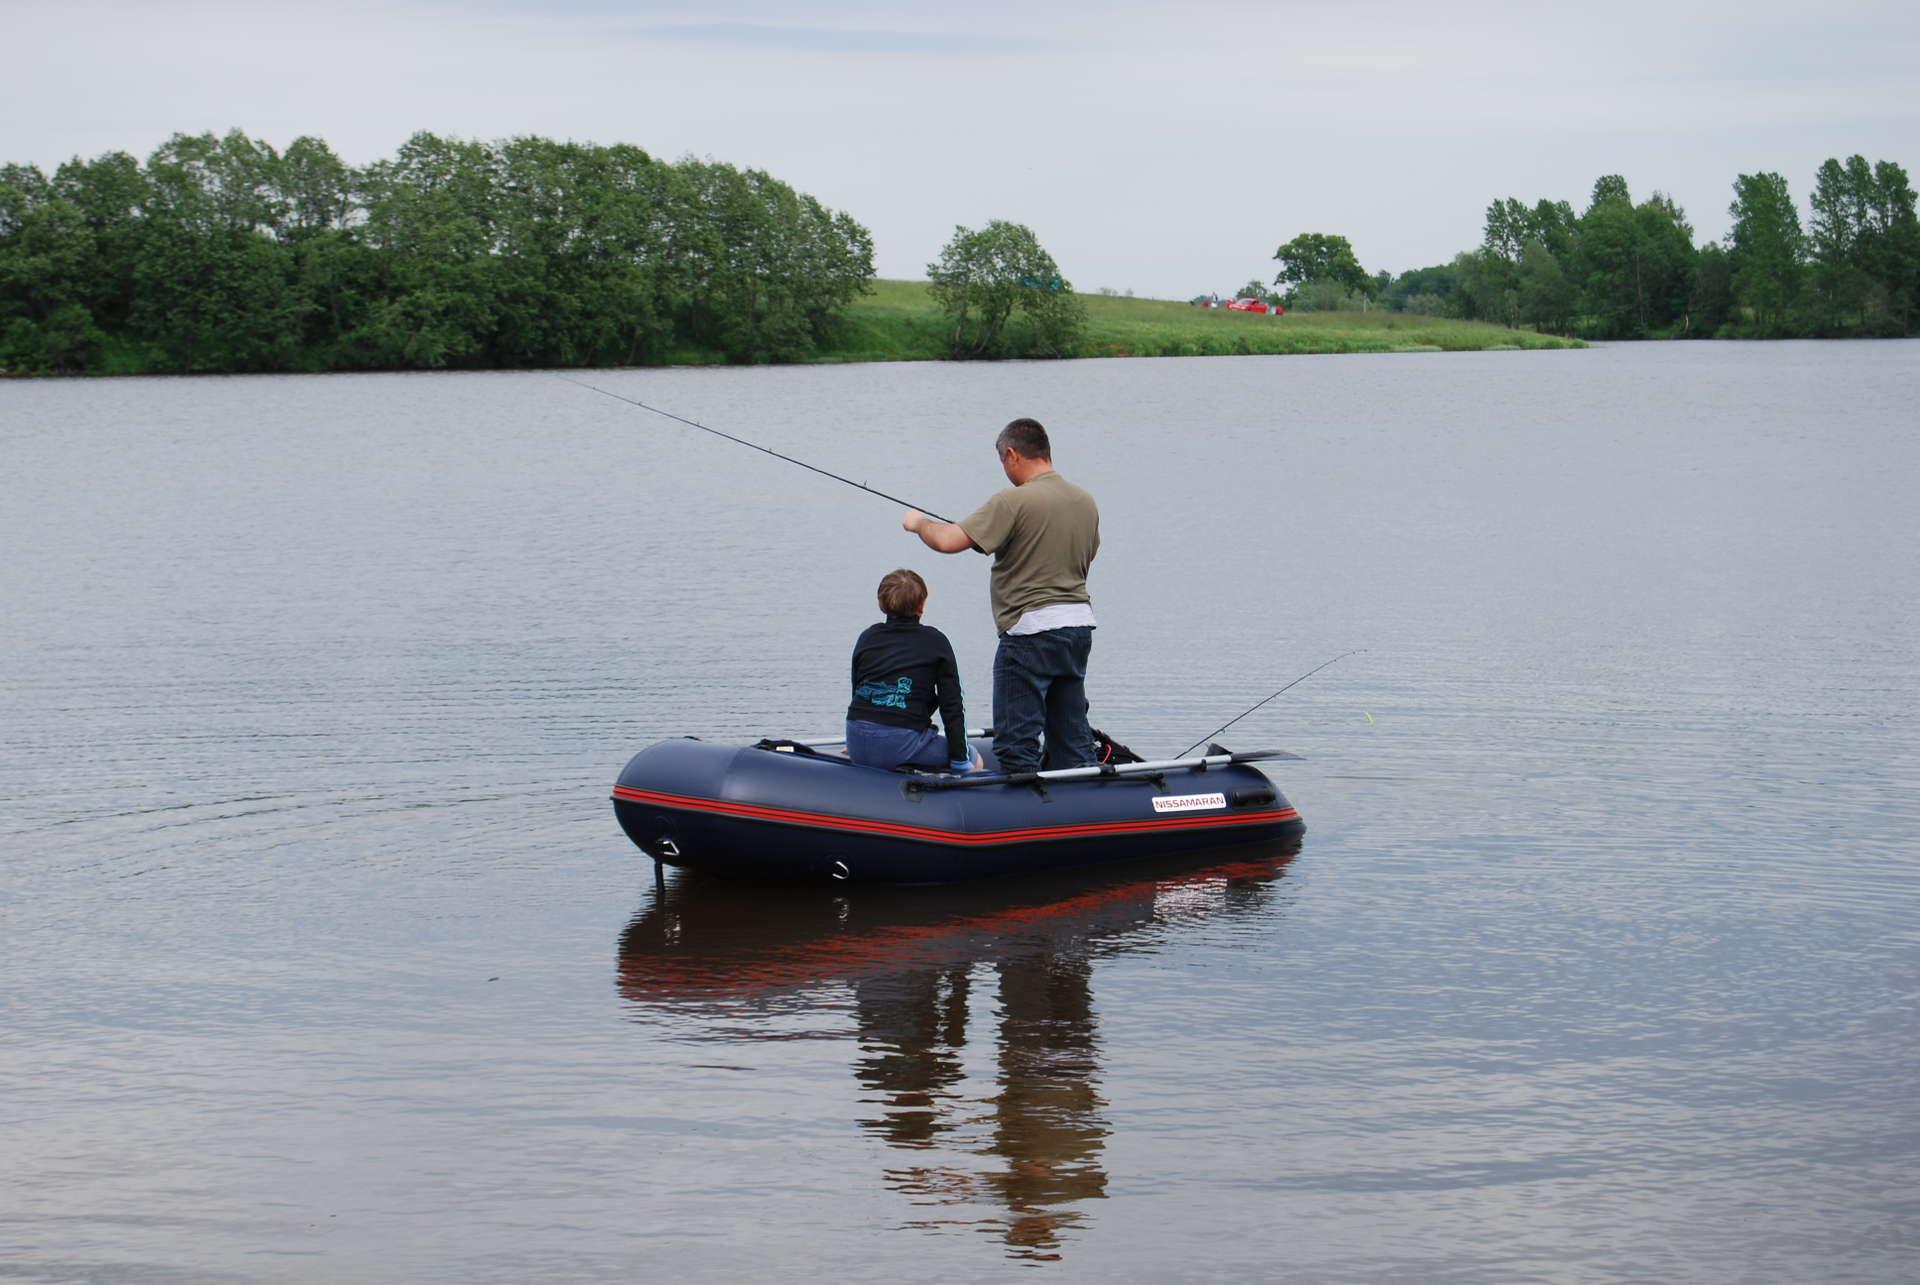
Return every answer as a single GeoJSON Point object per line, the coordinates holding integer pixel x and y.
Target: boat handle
{"type": "Point", "coordinates": [668, 848]}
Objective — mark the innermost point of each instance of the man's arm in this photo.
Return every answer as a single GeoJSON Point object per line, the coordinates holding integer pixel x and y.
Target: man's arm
{"type": "Point", "coordinates": [942, 537]}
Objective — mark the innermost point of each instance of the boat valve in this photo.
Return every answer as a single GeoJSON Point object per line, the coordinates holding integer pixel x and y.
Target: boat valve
{"type": "Point", "coordinates": [668, 848]}
{"type": "Point", "coordinates": [840, 871]}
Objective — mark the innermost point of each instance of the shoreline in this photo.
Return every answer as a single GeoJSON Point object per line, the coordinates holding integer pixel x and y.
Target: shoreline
{"type": "Point", "coordinates": [831, 359]}
{"type": "Point", "coordinates": [897, 321]}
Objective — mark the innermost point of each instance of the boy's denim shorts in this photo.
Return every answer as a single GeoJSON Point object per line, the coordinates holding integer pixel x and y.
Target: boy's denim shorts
{"type": "Point", "coordinates": [879, 745]}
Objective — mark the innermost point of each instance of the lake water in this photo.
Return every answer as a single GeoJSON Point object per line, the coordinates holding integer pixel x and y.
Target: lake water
{"type": "Point", "coordinates": [322, 957]}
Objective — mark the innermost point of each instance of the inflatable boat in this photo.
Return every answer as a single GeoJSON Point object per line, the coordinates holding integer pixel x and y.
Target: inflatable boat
{"type": "Point", "coordinates": [801, 811]}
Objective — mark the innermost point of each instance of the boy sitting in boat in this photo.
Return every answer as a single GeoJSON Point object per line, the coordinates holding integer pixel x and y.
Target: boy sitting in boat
{"type": "Point", "coordinates": [903, 671]}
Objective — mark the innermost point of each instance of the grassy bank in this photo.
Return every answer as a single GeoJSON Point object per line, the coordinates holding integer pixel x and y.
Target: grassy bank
{"type": "Point", "coordinates": [898, 321]}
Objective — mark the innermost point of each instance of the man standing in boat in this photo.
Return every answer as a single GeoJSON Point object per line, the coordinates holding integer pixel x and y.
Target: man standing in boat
{"type": "Point", "coordinates": [1043, 533]}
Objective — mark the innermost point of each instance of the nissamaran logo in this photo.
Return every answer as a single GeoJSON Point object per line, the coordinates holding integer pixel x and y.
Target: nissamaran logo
{"type": "Point", "coordinates": [1189, 802]}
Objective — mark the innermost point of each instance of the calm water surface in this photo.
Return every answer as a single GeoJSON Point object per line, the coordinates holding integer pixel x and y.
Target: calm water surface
{"type": "Point", "coordinates": [322, 957]}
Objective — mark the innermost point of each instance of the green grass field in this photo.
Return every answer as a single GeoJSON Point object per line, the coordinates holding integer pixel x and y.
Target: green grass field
{"type": "Point", "coordinates": [898, 321]}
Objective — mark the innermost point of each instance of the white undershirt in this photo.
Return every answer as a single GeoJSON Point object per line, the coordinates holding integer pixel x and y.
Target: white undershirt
{"type": "Point", "coordinates": [1055, 615]}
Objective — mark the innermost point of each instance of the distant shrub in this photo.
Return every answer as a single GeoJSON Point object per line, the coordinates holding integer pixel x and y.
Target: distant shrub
{"type": "Point", "coordinates": [1324, 296]}
{"type": "Point", "coordinates": [981, 279]}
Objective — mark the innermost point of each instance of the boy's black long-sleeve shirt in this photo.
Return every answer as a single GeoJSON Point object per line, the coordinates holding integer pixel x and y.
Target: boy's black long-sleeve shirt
{"type": "Point", "coordinates": [903, 671]}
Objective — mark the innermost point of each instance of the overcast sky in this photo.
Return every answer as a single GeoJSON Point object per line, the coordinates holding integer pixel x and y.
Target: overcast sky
{"type": "Point", "coordinates": [1166, 148]}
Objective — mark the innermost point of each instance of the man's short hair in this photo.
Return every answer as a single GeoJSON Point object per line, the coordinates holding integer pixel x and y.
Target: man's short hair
{"type": "Point", "coordinates": [1026, 439]}
{"type": "Point", "coordinates": [902, 593]}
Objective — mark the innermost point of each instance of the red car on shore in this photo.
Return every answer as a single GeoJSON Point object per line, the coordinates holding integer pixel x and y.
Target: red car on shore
{"type": "Point", "coordinates": [1253, 305]}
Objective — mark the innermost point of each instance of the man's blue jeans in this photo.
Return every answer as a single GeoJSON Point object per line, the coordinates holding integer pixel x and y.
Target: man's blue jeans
{"type": "Point", "coordinates": [1040, 683]}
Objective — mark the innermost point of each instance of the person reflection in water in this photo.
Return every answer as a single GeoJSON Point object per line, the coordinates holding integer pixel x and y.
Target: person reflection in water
{"type": "Point", "coordinates": [1046, 1121]}
{"type": "Point", "coordinates": [1025, 1157]}
{"type": "Point", "coordinates": [913, 1029]}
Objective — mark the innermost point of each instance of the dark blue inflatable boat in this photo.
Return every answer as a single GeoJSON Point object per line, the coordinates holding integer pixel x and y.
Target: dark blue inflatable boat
{"type": "Point", "coordinates": [801, 811]}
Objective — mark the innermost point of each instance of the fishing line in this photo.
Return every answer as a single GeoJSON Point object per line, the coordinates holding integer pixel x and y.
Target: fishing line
{"type": "Point", "coordinates": [1236, 718]}
{"type": "Point", "coordinates": [765, 450]}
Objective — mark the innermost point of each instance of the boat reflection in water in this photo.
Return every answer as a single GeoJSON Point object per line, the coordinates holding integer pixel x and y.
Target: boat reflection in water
{"type": "Point", "coordinates": [920, 970]}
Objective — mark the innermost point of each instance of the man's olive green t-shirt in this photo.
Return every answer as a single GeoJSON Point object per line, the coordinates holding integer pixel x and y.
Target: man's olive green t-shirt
{"type": "Point", "coordinates": [1042, 536]}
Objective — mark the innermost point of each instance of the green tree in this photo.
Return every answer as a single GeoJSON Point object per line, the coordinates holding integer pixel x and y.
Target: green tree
{"type": "Point", "coordinates": [231, 183]}
{"type": "Point", "coordinates": [1766, 250]}
{"type": "Point", "coordinates": [1663, 265]}
{"type": "Point", "coordinates": [825, 258]}
{"type": "Point", "coordinates": [219, 300]}
{"type": "Point", "coordinates": [1486, 288]}
{"type": "Point", "coordinates": [45, 261]}
{"type": "Point", "coordinates": [1546, 295]}
{"type": "Point", "coordinates": [314, 187]}
{"type": "Point", "coordinates": [23, 188]}
{"type": "Point", "coordinates": [430, 213]}
{"type": "Point", "coordinates": [760, 270]}
{"type": "Point", "coordinates": [1605, 248]}
{"type": "Point", "coordinates": [543, 306]}
{"type": "Point", "coordinates": [213, 289]}
{"type": "Point", "coordinates": [983, 277]}
{"type": "Point", "coordinates": [1429, 286]}
{"type": "Point", "coordinates": [1322, 259]}
{"type": "Point", "coordinates": [1556, 226]}
{"type": "Point", "coordinates": [1836, 281]}
{"type": "Point", "coordinates": [110, 193]}
{"type": "Point", "coordinates": [1632, 264]}
{"type": "Point", "coordinates": [1506, 284]}
{"type": "Point", "coordinates": [615, 257]}
{"type": "Point", "coordinates": [1892, 254]}
{"type": "Point", "coordinates": [1511, 224]}
{"type": "Point", "coordinates": [1508, 226]}
{"type": "Point", "coordinates": [1864, 248]}
{"type": "Point", "coordinates": [1710, 297]}
{"type": "Point", "coordinates": [1607, 188]}
{"type": "Point", "coordinates": [341, 282]}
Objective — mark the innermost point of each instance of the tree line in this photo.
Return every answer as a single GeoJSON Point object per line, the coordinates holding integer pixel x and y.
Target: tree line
{"type": "Point", "coordinates": [221, 254]}
{"type": "Point", "coordinates": [1622, 269]}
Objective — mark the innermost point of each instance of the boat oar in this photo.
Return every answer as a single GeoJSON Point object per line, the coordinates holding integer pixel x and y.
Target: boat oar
{"type": "Point", "coordinates": [1097, 771]}
{"type": "Point", "coordinates": [973, 733]}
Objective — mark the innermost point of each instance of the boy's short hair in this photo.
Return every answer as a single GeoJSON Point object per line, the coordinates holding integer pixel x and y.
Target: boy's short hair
{"type": "Point", "coordinates": [902, 593]}
{"type": "Point", "coordinates": [1026, 439]}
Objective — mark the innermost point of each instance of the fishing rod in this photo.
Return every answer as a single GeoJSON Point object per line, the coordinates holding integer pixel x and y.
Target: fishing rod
{"type": "Point", "coordinates": [765, 450]}
{"type": "Point", "coordinates": [1237, 717]}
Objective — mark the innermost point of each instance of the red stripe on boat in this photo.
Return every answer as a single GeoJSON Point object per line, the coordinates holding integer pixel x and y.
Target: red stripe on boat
{"type": "Point", "coordinates": [826, 821]}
